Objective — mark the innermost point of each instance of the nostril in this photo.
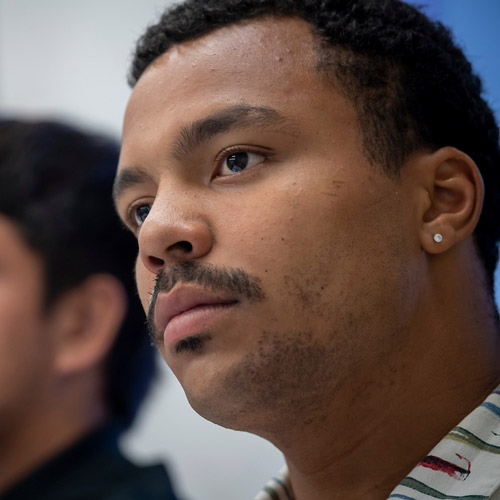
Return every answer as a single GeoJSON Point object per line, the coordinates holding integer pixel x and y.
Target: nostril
{"type": "Point", "coordinates": [185, 246]}
{"type": "Point", "coordinates": [156, 262]}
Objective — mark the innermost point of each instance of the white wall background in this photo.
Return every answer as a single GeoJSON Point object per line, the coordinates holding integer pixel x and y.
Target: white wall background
{"type": "Point", "coordinates": [68, 59]}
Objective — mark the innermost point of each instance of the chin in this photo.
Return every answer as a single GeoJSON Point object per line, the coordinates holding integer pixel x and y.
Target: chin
{"type": "Point", "coordinates": [223, 412]}
{"type": "Point", "coordinates": [211, 391]}
{"type": "Point", "coordinates": [282, 381]}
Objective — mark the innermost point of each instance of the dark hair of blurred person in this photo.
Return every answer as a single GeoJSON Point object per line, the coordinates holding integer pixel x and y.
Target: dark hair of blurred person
{"type": "Point", "coordinates": [75, 361]}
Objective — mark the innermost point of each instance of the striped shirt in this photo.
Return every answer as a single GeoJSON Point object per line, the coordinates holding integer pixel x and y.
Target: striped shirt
{"type": "Point", "coordinates": [465, 464]}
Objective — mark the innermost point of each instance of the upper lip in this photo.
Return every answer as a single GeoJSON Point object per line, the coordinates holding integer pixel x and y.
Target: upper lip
{"type": "Point", "coordinates": [184, 298]}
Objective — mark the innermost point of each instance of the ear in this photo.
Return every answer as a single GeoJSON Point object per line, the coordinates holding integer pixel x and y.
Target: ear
{"type": "Point", "coordinates": [455, 193]}
{"type": "Point", "coordinates": [85, 321]}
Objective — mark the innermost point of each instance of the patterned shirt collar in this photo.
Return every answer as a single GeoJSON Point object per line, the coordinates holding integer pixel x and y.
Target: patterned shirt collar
{"type": "Point", "coordinates": [464, 465]}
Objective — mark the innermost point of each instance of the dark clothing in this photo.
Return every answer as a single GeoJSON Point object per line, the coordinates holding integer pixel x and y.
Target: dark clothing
{"type": "Point", "coordinates": [93, 469]}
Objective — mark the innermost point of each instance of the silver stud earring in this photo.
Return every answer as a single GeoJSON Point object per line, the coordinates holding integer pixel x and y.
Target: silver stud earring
{"type": "Point", "coordinates": [438, 238]}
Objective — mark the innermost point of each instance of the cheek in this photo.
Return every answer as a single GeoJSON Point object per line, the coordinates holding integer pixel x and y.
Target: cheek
{"type": "Point", "coordinates": [288, 242]}
{"type": "Point", "coordinates": [318, 255]}
{"type": "Point", "coordinates": [21, 301]}
{"type": "Point", "coordinates": [16, 319]}
{"type": "Point", "coordinates": [22, 343]}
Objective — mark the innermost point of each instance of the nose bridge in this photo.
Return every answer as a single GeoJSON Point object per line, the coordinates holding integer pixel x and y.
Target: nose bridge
{"type": "Point", "coordinates": [176, 229]}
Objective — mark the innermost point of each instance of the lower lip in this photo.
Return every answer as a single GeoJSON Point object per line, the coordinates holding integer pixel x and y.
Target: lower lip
{"type": "Point", "coordinates": [192, 322]}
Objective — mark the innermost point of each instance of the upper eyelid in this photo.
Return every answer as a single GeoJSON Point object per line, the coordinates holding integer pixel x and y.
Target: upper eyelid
{"type": "Point", "coordinates": [243, 148]}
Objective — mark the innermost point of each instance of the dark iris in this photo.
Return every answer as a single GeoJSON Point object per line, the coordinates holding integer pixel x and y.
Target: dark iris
{"type": "Point", "coordinates": [142, 212]}
{"type": "Point", "coordinates": [237, 161]}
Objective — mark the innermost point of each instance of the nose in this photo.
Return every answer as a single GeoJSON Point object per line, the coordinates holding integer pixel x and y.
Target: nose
{"type": "Point", "coordinates": [167, 238]}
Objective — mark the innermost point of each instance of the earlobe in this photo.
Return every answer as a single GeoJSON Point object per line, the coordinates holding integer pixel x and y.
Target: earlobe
{"type": "Point", "coordinates": [87, 320]}
{"type": "Point", "coordinates": [456, 192]}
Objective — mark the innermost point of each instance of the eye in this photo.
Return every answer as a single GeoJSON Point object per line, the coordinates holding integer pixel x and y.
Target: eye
{"type": "Point", "coordinates": [140, 212]}
{"type": "Point", "coordinates": [239, 161]}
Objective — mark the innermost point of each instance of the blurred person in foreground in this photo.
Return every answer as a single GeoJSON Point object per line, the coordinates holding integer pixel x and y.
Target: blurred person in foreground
{"type": "Point", "coordinates": [315, 188]}
{"type": "Point", "coordinates": [75, 362]}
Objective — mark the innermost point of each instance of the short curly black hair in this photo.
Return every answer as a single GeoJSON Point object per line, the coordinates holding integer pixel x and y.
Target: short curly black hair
{"type": "Point", "coordinates": [55, 186]}
{"type": "Point", "coordinates": [411, 86]}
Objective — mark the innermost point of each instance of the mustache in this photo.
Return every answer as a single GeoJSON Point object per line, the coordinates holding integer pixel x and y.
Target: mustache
{"type": "Point", "coordinates": [218, 279]}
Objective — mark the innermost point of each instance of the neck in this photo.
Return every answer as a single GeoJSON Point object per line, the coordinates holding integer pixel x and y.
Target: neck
{"type": "Point", "coordinates": [368, 449]}
{"type": "Point", "coordinates": [388, 416]}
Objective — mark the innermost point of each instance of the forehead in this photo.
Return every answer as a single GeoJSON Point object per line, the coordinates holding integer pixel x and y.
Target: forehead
{"type": "Point", "coordinates": [265, 62]}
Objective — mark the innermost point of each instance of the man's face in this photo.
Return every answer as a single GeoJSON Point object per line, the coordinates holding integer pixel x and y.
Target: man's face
{"type": "Point", "coordinates": [24, 349]}
{"type": "Point", "coordinates": [238, 156]}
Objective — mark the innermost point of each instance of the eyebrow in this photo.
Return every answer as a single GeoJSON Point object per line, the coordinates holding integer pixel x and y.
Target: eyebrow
{"type": "Point", "coordinates": [194, 135]}
{"type": "Point", "coordinates": [235, 117]}
{"type": "Point", "coordinates": [128, 177]}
